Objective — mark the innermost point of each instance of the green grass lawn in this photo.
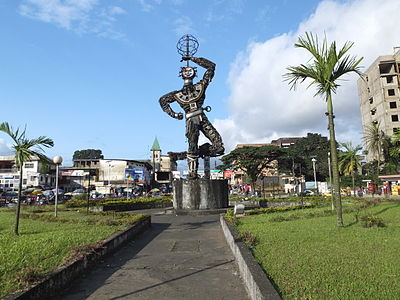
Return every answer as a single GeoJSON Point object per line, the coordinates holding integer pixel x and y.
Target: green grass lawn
{"type": "Point", "coordinates": [310, 258]}
{"type": "Point", "coordinates": [45, 243]}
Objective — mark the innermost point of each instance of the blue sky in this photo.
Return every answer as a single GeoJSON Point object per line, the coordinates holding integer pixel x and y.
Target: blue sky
{"type": "Point", "coordinates": [89, 73]}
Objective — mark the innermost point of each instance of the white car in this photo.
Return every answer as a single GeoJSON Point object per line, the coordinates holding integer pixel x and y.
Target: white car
{"type": "Point", "coordinates": [78, 192]}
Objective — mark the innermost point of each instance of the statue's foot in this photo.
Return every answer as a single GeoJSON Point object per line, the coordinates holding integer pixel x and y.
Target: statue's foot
{"type": "Point", "coordinates": [211, 150]}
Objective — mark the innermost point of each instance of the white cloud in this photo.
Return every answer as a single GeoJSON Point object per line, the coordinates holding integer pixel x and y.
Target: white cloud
{"type": "Point", "coordinates": [81, 16]}
{"type": "Point", "coordinates": [183, 25]}
{"type": "Point", "coordinates": [5, 148]}
{"type": "Point", "coordinates": [146, 6]}
{"type": "Point", "coordinates": [149, 5]}
{"type": "Point", "coordinates": [261, 105]}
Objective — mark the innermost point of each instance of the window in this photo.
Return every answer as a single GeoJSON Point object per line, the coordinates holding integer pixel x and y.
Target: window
{"type": "Point", "coordinates": [32, 178]}
{"type": "Point", "coordinates": [392, 104]}
{"type": "Point", "coordinates": [24, 181]}
{"type": "Point", "coordinates": [389, 79]}
{"type": "Point", "coordinates": [373, 111]}
{"type": "Point", "coordinates": [371, 100]}
{"type": "Point", "coordinates": [375, 122]}
{"type": "Point", "coordinates": [385, 68]}
{"type": "Point", "coordinates": [391, 92]}
{"type": "Point", "coordinates": [395, 118]}
{"type": "Point", "coordinates": [395, 130]}
{"type": "Point", "coordinates": [28, 165]}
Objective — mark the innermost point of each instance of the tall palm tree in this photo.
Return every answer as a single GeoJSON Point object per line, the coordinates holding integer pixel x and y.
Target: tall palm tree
{"type": "Point", "coordinates": [24, 149]}
{"type": "Point", "coordinates": [375, 141]}
{"type": "Point", "coordinates": [349, 161]}
{"type": "Point", "coordinates": [324, 70]}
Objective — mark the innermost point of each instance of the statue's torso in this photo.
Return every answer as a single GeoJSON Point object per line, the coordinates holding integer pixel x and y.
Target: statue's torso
{"type": "Point", "coordinates": [191, 100]}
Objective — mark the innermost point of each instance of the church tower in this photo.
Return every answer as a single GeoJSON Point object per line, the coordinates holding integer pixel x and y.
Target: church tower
{"type": "Point", "coordinates": [156, 155]}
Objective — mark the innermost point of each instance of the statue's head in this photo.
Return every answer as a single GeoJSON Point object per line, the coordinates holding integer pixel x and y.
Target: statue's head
{"type": "Point", "coordinates": [187, 74]}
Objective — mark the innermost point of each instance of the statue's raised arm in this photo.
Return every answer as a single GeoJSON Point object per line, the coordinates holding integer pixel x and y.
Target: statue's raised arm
{"type": "Point", "coordinates": [206, 64]}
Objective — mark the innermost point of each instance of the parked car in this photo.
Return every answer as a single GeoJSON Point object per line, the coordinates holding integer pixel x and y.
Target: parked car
{"type": "Point", "coordinates": [78, 192]}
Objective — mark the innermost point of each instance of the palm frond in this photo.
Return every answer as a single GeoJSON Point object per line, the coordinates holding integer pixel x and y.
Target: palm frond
{"type": "Point", "coordinates": [327, 66]}
{"type": "Point", "coordinates": [14, 135]}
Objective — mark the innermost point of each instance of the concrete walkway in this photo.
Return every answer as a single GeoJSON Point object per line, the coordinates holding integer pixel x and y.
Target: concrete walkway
{"type": "Point", "coordinates": [180, 257]}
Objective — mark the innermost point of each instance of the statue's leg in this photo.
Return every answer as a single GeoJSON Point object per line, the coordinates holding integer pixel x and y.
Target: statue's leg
{"type": "Point", "coordinates": [217, 146]}
{"type": "Point", "coordinates": [192, 134]}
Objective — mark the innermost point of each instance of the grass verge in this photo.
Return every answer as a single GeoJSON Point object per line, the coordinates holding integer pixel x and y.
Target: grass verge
{"type": "Point", "coordinates": [46, 242]}
{"type": "Point", "coordinates": [308, 257]}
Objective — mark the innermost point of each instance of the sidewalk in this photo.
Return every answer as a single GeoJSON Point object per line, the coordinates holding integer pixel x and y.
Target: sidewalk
{"type": "Point", "coordinates": [180, 257]}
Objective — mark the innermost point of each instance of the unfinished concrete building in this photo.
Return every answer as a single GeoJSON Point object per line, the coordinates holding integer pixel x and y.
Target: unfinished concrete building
{"type": "Point", "coordinates": [379, 95]}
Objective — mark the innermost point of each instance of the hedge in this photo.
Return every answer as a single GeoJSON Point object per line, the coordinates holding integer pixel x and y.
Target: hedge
{"type": "Point", "coordinates": [114, 202]}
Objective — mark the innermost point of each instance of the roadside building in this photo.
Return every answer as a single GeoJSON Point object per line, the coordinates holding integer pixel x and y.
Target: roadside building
{"type": "Point", "coordinates": [35, 173]}
{"type": "Point", "coordinates": [379, 95]}
{"type": "Point", "coordinates": [106, 175]}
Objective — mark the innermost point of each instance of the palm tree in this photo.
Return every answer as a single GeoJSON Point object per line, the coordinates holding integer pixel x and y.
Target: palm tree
{"type": "Point", "coordinates": [325, 69]}
{"type": "Point", "coordinates": [24, 150]}
{"type": "Point", "coordinates": [394, 150]}
{"type": "Point", "coordinates": [349, 161]}
{"type": "Point", "coordinates": [375, 141]}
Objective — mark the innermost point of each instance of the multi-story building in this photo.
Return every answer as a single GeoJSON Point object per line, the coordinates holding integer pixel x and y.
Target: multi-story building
{"type": "Point", "coordinates": [105, 174]}
{"type": "Point", "coordinates": [34, 173]}
{"type": "Point", "coordinates": [379, 95]}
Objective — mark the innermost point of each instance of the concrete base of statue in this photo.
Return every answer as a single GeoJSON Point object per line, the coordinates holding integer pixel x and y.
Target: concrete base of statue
{"type": "Point", "coordinates": [200, 194]}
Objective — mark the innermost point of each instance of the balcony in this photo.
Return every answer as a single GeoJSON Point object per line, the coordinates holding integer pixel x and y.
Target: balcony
{"type": "Point", "coordinates": [9, 171]}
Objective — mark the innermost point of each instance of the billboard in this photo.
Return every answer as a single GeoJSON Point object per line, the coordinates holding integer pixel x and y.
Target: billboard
{"type": "Point", "coordinates": [135, 175]}
{"type": "Point", "coordinates": [310, 185]}
{"type": "Point", "coordinates": [228, 173]}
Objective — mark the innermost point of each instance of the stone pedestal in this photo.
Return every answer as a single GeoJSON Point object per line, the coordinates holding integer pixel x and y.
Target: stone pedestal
{"type": "Point", "coordinates": [200, 194]}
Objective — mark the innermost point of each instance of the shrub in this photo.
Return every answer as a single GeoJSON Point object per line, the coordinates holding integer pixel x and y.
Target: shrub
{"type": "Point", "coordinates": [80, 197]}
{"type": "Point", "coordinates": [372, 220]}
{"type": "Point", "coordinates": [281, 218]}
{"type": "Point", "coordinates": [248, 238]}
{"type": "Point", "coordinates": [231, 218]}
{"type": "Point", "coordinates": [117, 201]}
{"type": "Point", "coordinates": [268, 210]}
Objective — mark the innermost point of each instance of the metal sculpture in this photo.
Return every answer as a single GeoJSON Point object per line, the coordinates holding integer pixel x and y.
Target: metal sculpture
{"type": "Point", "coordinates": [191, 99]}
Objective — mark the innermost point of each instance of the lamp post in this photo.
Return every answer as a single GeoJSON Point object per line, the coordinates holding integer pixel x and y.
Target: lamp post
{"type": "Point", "coordinates": [109, 175]}
{"type": "Point", "coordinates": [57, 160]}
{"type": "Point", "coordinates": [315, 174]}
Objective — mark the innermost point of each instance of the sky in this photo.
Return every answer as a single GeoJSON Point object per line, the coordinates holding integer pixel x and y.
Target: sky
{"type": "Point", "coordinates": [89, 73]}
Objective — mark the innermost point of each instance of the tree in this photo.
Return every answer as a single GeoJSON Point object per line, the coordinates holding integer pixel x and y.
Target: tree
{"type": "Point", "coordinates": [300, 154]}
{"type": "Point", "coordinates": [252, 160]}
{"type": "Point", "coordinates": [375, 141]}
{"type": "Point", "coordinates": [350, 161]}
{"type": "Point", "coordinates": [325, 69]}
{"type": "Point", "coordinates": [88, 154]}
{"type": "Point", "coordinates": [24, 149]}
{"type": "Point", "coordinates": [395, 145]}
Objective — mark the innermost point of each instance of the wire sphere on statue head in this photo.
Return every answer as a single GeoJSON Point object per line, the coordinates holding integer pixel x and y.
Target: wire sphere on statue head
{"type": "Point", "coordinates": [187, 45]}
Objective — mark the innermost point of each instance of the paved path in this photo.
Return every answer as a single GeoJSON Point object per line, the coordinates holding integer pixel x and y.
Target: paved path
{"type": "Point", "coordinates": [180, 257]}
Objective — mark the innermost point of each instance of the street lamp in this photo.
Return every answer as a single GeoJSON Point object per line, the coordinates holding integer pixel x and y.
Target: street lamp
{"type": "Point", "coordinates": [109, 171]}
{"type": "Point", "coordinates": [57, 160]}
{"type": "Point", "coordinates": [315, 174]}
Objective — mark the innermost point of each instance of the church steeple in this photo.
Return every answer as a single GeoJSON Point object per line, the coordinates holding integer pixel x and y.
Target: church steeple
{"type": "Point", "coordinates": [156, 154]}
{"type": "Point", "coordinates": [156, 145]}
